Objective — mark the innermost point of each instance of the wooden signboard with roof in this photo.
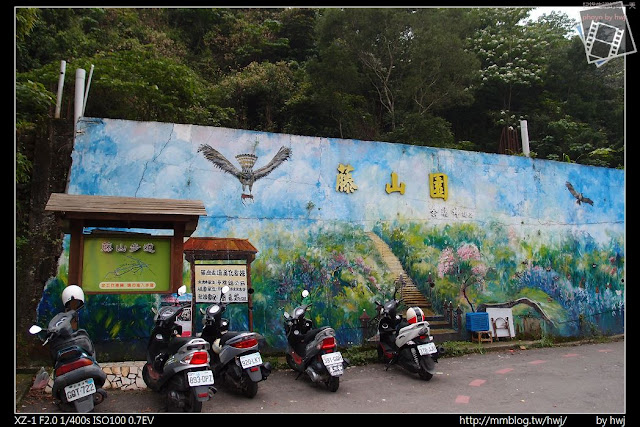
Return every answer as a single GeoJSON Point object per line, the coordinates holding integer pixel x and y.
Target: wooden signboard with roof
{"type": "Point", "coordinates": [216, 262]}
{"type": "Point", "coordinates": [77, 212]}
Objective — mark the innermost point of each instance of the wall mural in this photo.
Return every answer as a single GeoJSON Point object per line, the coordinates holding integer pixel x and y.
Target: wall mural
{"type": "Point", "coordinates": [247, 176]}
{"type": "Point", "coordinates": [332, 216]}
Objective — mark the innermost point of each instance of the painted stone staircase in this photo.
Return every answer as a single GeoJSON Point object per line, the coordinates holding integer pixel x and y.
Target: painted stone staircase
{"type": "Point", "coordinates": [411, 296]}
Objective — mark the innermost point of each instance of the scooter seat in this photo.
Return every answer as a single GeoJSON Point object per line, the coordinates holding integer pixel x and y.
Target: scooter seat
{"type": "Point", "coordinates": [228, 335]}
{"type": "Point", "coordinates": [309, 336]}
{"type": "Point", "coordinates": [177, 342]}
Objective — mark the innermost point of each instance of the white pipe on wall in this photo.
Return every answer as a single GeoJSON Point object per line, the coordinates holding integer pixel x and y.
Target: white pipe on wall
{"type": "Point", "coordinates": [78, 107]}
{"type": "Point", "coordinates": [63, 68]}
{"type": "Point", "coordinates": [86, 92]}
{"type": "Point", "coordinates": [525, 137]}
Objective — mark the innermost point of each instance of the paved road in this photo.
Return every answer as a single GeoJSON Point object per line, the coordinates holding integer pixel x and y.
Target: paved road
{"type": "Point", "coordinates": [589, 378]}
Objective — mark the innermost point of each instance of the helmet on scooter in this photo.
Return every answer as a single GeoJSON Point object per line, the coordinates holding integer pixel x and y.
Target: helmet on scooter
{"type": "Point", "coordinates": [414, 315]}
{"type": "Point", "coordinates": [73, 297]}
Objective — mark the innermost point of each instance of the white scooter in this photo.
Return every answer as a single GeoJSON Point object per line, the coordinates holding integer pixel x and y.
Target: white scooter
{"type": "Point", "coordinates": [407, 342]}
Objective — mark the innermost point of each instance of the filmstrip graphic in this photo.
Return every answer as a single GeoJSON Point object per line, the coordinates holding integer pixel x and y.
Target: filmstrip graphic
{"type": "Point", "coordinates": [605, 33]}
{"type": "Point", "coordinates": [603, 41]}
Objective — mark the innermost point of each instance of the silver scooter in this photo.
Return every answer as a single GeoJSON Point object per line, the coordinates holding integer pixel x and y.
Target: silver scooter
{"type": "Point", "coordinates": [235, 355]}
{"type": "Point", "coordinates": [78, 379]}
{"type": "Point", "coordinates": [178, 366]}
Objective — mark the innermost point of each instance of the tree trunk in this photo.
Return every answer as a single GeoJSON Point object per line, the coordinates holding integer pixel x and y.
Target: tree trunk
{"type": "Point", "coordinates": [37, 258]}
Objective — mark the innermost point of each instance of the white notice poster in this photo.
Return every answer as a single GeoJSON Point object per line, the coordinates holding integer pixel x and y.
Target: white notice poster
{"type": "Point", "coordinates": [211, 278]}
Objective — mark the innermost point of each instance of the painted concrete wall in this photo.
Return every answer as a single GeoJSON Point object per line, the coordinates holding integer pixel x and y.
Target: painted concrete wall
{"type": "Point", "coordinates": [507, 226]}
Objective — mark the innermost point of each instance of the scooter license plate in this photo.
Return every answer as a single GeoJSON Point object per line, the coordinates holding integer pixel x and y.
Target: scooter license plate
{"type": "Point", "coordinates": [335, 370]}
{"type": "Point", "coordinates": [81, 389]}
{"type": "Point", "coordinates": [428, 348]}
{"type": "Point", "coordinates": [334, 358]}
{"type": "Point", "coordinates": [249, 360]}
{"type": "Point", "coordinates": [197, 378]}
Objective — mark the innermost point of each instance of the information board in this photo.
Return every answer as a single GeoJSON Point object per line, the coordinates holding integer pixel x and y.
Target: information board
{"type": "Point", "coordinates": [126, 264]}
{"type": "Point", "coordinates": [211, 278]}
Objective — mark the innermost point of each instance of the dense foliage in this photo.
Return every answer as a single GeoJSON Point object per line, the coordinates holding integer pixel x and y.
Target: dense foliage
{"type": "Point", "coordinates": [443, 77]}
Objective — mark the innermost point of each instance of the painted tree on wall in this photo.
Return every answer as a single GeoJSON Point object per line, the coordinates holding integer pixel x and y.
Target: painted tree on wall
{"type": "Point", "coordinates": [572, 283]}
{"type": "Point", "coordinates": [465, 266]}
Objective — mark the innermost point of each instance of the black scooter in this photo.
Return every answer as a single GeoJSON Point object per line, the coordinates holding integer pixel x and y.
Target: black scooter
{"type": "Point", "coordinates": [77, 376]}
{"type": "Point", "coordinates": [313, 351]}
{"type": "Point", "coordinates": [234, 354]}
{"type": "Point", "coordinates": [178, 366]}
{"type": "Point", "coordinates": [406, 343]}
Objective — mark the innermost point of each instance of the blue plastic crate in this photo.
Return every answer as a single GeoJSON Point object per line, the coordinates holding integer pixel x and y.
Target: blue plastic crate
{"type": "Point", "coordinates": [477, 321]}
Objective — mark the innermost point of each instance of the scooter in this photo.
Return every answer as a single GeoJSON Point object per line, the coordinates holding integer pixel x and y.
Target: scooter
{"type": "Point", "coordinates": [406, 342]}
{"type": "Point", "coordinates": [177, 367]}
{"type": "Point", "coordinates": [234, 354]}
{"type": "Point", "coordinates": [77, 376]}
{"type": "Point", "coordinates": [313, 351]}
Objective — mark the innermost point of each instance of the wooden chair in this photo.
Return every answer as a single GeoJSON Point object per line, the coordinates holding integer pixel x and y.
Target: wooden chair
{"type": "Point", "coordinates": [481, 336]}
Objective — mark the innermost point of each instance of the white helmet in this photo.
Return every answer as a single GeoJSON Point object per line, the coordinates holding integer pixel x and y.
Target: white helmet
{"type": "Point", "coordinates": [73, 293]}
{"type": "Point", "coordinates": [414, 315]}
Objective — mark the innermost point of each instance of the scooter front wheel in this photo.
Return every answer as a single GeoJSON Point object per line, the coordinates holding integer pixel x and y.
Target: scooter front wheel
{"type": "Point", "coordinates": [291, 362]}
{"type": "Point", "coordinates": [146, 376]}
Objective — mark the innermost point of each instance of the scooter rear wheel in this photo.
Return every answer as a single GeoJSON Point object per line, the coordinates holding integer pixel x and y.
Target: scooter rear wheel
{"type": "Point", "coordinates": [193, 404]}
{"type": "Point", "coordinates": [424, 375]}
{"type": "Point", "coordinates": [249, 388]}
{"type": "Point", "coordinates": [333, 383]}
{"type": "Point", "coordinates": [99, 396]}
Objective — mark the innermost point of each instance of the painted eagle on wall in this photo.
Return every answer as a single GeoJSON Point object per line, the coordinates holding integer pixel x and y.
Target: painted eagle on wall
{"type": "Point", "coordinates": [247, 176]}
{"type": "Point", "coordinates": [580, 198]}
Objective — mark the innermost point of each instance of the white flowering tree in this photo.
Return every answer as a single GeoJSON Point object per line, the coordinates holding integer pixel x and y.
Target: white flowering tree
{"type": "Point", "coordinates": [514, 57]}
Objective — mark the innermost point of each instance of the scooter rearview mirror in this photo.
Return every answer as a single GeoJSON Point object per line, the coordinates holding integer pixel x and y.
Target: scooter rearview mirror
{"type": "Point", "coordinates": [305, 293]}
{"type": "Point", "coordinates": [225, 289]}
{"type": "Point", "coordinates": [182, 290]}
{"type": "Point", "coordinates": [35, 329]}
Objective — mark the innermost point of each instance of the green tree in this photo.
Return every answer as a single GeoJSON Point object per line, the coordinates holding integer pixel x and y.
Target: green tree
{"type": "Point", "coordinates": [580, 113]}
{"type": "Point", "coordinates": [405, 64]}
{"type": "Point", "coordinates": [258, 94]}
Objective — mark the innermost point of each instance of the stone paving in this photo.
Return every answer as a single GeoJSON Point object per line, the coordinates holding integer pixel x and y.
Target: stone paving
{"type": "Point", "coordinates": [120, 376]}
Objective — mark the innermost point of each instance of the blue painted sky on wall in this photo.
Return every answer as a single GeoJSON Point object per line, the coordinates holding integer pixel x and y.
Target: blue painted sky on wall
{"type": "Point", "coordinates": [161, 160]}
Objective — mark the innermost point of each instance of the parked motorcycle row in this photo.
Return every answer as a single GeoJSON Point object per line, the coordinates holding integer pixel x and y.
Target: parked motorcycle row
{"type": "Point", "coordinates": [185, 369]}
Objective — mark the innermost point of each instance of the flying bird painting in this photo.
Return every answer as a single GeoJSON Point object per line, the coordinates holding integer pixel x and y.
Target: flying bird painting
{"type": "Point", "coordinates": [247, 176]}
{"type": "Point", "coordinates": [580, 198]}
